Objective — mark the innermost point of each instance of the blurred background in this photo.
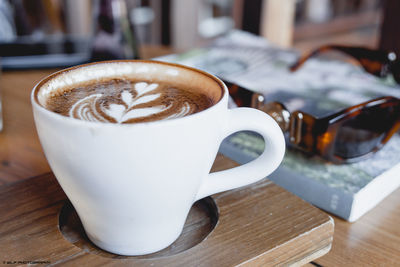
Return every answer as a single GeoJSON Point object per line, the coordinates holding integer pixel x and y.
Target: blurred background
{"type": "Point", "coordinates": [50, 33]}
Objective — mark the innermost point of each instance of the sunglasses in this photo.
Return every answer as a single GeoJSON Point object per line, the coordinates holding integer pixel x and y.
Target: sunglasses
{"type": "Point", "coordinates": [347, 136]}
{"type": "Point", "coordinates": [376, 62]}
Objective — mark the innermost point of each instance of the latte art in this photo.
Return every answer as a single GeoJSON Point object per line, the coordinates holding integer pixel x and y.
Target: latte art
{"type": "Point", "coordinates": [87, 108]}
{"type": "Point", "coordinates": [125, 101]}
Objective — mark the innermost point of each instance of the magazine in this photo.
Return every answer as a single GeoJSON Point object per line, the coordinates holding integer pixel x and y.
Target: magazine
{"type": "Point", "coordinates": [320, 87]}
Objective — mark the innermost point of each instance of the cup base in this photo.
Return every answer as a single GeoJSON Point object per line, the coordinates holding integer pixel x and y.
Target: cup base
{"type": "Point", "coordinates": [201, 220]}
{"type": "Point", "coordinates": [124, 251]}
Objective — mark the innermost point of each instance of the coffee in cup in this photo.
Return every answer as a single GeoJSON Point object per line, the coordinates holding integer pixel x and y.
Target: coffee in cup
{"type": "Point", "coordinates": [121, 100]}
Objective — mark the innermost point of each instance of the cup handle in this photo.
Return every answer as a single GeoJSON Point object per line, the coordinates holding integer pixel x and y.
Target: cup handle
{"type": "Point", "coordinates": [254, 120]}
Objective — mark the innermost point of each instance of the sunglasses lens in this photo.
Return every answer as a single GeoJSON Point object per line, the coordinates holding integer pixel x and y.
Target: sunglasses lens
{"type": "Point", "coordinates": [363, 133]}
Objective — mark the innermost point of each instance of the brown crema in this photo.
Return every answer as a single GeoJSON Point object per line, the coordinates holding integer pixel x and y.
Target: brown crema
{"type": "Point", "coordinates": [121, 100]}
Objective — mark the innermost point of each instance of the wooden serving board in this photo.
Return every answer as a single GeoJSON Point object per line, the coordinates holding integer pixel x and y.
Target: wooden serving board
{"type": "Point", "coordinates": [258, 225]}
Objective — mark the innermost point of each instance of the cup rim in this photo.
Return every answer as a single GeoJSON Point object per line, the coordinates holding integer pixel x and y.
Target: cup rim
{"type": "Point", "coordinates": [38, 106]}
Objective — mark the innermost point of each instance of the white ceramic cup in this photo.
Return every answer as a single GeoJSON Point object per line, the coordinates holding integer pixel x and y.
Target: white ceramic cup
{"type": "Point", "coordinates": [133, 185]}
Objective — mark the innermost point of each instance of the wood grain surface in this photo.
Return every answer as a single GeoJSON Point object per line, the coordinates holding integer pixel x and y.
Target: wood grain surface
{"type": "Point", "coordinates": [21, 155]}
{"type": "Point", "coordinates": [258, 225]}
{"type": "Point", "coordinates": [373, 240]}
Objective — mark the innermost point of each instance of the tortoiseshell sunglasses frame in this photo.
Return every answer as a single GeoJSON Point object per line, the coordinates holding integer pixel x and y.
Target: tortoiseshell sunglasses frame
{"type": "Point", "coordinates": [376, 62]}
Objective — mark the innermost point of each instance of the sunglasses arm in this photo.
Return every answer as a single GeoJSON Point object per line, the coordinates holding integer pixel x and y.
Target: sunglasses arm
{"type": "Point", "coordinates": [375, 62]}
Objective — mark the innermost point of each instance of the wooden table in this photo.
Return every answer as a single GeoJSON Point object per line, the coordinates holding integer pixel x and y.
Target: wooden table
{"type": "Point", "coordinates": [255, 225]}
{"type": "Point", "coordinates": [372, 240]}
